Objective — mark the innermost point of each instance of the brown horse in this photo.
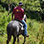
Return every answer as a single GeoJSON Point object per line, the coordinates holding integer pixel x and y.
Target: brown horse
{"type": "Point", "coordinates": [15, 28]}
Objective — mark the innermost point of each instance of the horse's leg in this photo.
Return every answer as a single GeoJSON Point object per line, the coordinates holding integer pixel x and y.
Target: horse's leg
{"type": "Point", "coordinates": [18, 40]}
{"type": "Point", "coordinates": [14, 40]}
{"type": "Point", "coordinates": [24, 39]}
{"type": "Point", "coordinates": [9, 38]}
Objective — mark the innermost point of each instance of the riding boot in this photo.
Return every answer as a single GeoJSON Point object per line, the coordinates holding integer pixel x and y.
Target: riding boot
{"type": "Point", "coordinates": [27, 35]}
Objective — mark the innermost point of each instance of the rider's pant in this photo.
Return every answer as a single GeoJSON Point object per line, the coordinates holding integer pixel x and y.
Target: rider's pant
{"type": "Point", "coordinates": [25, 27]}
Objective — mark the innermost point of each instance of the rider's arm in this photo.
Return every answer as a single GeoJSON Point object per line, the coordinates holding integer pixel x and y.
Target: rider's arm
{"type": "Point", "coordinates": [13, 13]}
{"type": "Point", "coordinates": [12, 16]}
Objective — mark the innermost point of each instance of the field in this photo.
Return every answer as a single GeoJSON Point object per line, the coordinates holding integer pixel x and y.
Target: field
{"type": "Point", "coordinates": [35, 30]}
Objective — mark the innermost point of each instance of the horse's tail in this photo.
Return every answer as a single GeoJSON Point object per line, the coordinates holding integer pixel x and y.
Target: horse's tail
{"type": "Point", "coordinates": [8, 30]}
{"type": "Point", "coordinates": [9, 27]}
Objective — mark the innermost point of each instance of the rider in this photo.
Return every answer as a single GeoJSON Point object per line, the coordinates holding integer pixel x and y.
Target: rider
{"type": "Point", "coordinates": [19, 14]}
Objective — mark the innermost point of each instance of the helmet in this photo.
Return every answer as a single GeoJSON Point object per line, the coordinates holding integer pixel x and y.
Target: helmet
{"type": "Point", "coordinates": [20, 3]}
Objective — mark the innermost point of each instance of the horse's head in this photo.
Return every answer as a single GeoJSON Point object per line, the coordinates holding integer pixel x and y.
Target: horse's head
{"type": "Point", "coordinates": [24, 18]}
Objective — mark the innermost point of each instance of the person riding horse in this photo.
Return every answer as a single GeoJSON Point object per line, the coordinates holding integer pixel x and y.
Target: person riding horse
{"type": "Point", "coordinates": [19, 14]}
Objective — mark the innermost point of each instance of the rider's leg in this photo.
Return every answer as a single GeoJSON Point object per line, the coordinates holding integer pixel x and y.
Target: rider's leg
{"type": "Point", "coordinates": [25, 27]}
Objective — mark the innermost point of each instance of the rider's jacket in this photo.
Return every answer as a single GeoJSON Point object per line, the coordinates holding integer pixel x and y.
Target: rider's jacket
{"type": "Point", "coordinates": [19, 13]}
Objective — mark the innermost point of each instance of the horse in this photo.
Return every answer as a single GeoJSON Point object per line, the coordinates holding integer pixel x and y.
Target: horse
{"type": "Point", "coordinates": [15, 28]}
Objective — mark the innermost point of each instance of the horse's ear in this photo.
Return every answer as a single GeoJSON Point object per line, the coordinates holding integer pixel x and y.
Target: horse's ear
{"type": "Point", "coordinates": [24, 17]}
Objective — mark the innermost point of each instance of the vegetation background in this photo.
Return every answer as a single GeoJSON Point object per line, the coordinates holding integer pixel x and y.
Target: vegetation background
{"type": "Point", "coordinates": [34, 9]}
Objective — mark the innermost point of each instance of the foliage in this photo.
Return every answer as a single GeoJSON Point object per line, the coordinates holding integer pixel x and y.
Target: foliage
{"type": "Point", "coordinates": [4, 21]}
{"type": "Point", "coordinates": [29, 4]}
{"type": "Point", "coordinates": [2, 9]}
